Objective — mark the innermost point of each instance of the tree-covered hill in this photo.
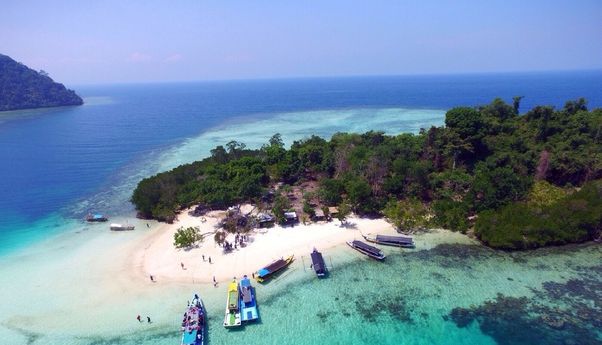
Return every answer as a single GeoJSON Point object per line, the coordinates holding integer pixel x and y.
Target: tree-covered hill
{"type": "Point", "coordinates": [23, 88]}
{"type": "Point", "coordinates": [528, 180]}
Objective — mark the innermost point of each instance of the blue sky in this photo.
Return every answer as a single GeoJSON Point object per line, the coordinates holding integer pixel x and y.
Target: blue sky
{"type": "Point", "coordinates": [141, 41]}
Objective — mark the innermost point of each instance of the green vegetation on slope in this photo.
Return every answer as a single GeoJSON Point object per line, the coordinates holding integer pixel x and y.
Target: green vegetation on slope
{"type": "Point", "coordinates": [485, 161]}
{"type": "Point", "coordinates": [574, 218]}
{"type": "Point", "coordinates": [24, 88]}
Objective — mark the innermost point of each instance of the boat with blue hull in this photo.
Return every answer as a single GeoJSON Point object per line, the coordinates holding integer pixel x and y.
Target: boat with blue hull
{"type": "Point", "coordinates": [270, 270]}
{"type": "Point", "coordinates": [96, 217]}
{"type": "Point", "coordinates": [248, 302]}
{"type": "Point", "coordinates": [194, 322]}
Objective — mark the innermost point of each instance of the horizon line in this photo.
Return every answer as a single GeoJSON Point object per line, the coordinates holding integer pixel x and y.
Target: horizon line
{"type": "Point", "coordinates": [349, 76]}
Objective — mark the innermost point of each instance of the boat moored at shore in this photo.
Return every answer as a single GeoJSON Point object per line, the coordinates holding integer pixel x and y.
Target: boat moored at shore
{"type": "Point", "coordinates": [268, 271]}
{"type": "Point", "coordinates": [96, 218]}
{"type": "Point", "coordinates": [194, 322]}
{"type": "Point", "coordinates": [317, 263]}
{"type": "Point", "coordinates": [232, 317]}
{"type": "Point", "coordinates": [248, 302]}
{"type": "Point", "coordinates": [121, 227]}
{"type": "Point", "coordinates": [367, 249]}
{"type": "Point", "coordinates": [396, 241]}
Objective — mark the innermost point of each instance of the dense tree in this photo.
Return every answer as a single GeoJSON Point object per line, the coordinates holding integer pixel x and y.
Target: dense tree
{"type": "Point", "coordinates": [22, 88]}
{"type": "Point", "coordinates": [186, 237]}
{"type": "Point", "coordinates": [486, 162]}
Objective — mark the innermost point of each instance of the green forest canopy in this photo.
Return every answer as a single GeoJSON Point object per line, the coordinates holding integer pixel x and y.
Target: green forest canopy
{"type": "Point", "coordinates": [23, 88]}
{"type": "Point", "coordinates": [484, 162]}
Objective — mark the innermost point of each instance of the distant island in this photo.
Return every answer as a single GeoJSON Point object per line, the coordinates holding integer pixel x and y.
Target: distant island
{"type": "Point", "coordinates": [514, 181]}
{"type": "Point", "coordinates": [23, 88]}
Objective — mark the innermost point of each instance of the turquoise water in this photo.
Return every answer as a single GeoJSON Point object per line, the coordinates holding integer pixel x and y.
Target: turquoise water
{"type": "Point", "coordinates": [62, 163]}
{"type": "Point", "coordinates": [411, 298]}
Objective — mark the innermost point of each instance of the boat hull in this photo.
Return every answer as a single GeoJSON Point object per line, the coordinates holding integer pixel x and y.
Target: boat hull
{"type": "Point", "coordinates": [193, 331]}
{"type": "Point", "coordinates": [400, 245]}
{"type": "Point", "coordinates": [318, 264]}
{"type": "Point", "coordinates": [119, 227]}
{"type": "Point", "coordinates": [262, 276]}
{"type": "Point", "coordinates": [232, 317]}
{"type": "Point", "coordinates": [380, 257]}
{"type": "Point", "coordinates": [248, 302]}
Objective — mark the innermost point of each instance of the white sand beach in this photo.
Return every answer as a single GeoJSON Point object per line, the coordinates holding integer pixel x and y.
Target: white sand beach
{"type": "Point", "coordinates": [157, 255]}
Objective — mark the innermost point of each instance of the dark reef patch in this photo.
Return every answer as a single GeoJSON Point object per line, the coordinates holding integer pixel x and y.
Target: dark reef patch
{"type": "Point", "coordinates": [378, 306]}
{"type": "Point", "coordinates": [559, 313]}
{"type": "Point", "coordinates": [141, 337]}
{"type": "Point", "coordinates": [452, 255]}
{"type": "Point", "coordinates": [323, 315]}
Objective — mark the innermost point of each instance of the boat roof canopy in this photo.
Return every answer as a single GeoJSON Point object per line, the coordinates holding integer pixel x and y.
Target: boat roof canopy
{"type": "Point", "coordinates": [271, 268]}
{"type": "Point", "coordinates": [318, 261]}
{"type": "Point", "coordinates": [394, 239]}
{"type": "Point", "coordinates": [367, 247]}
{"type": "Point", "coordinates": [189, 338]}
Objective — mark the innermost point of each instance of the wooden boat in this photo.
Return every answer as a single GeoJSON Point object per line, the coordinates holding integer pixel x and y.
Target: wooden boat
{"type": "Point", "coordinates": [248, 303]}
{"type": "Point", "coordinates": [194, 323]}
{"type": "Point", "coordinates": [317, 262]}
{"type": "Point", "coordinates": [96, 217]}
{"type": "Point", "coordinates": [367, 249]}
{"type": "Point", "coordinates": [396, 241]}
{"type": "Point", "coordinates": [269, 270]}
{"type": "Point", "coordinates": [121, 227]}
{"type": "Point", "coordinates": [232, 317]}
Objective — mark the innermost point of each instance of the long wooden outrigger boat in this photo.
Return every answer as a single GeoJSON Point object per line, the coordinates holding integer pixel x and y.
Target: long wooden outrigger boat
{"type": "Point", "coordinates": [269, 270]}
{"type": "Point", "coordinates": [248, 302]}
{"type": "Point", "coordinates": [367, 249]}
{"type": "Point", "coordinates": [232, 317]}
{"type": "Point", "coordinates": [193, 325]}
{"type": "Point", "coordinates": [317, 263]}
{"type": "Point", "coordinates": [396, 241]}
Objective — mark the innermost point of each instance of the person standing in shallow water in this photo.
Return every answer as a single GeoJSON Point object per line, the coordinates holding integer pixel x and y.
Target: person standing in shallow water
{"type": "Point", "coordinates": [138, 318]}
{"type": "Point", "coordinates": [148, 319]}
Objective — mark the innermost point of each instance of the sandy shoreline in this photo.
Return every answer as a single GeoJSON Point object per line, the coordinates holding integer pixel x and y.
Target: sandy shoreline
{"type": "Point", "coordinates": [157, 256]}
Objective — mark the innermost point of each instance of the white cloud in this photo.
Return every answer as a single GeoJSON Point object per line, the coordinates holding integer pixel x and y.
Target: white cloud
{"type": "Point", "coordinates": [173, 58]}
{"type": "Point", "coordinates": [139, 57]}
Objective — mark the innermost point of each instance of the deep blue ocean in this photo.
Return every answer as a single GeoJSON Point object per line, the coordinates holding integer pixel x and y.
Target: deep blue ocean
{"type": "Point", "coordinates": [54, 159]}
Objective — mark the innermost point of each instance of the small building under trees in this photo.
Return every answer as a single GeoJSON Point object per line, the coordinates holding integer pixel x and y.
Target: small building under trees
{"type": "Point", "coordinates": [290, 217]}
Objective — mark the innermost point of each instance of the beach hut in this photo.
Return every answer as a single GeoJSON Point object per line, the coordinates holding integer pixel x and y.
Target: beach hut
{"type": "Point", "coordinates": [265, 220]}
{"type": "Point", "coordinates": [318, 215]}
{"type": "Point", "coordinates": [333, 211]}
{"type": "Point", "coordinates": [290, 217]}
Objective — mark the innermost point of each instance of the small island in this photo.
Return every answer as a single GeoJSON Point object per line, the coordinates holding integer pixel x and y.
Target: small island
{"type": "Point", "coordinates": [23, 88]}
{"type": "Point", "coordinates": [514, 181]}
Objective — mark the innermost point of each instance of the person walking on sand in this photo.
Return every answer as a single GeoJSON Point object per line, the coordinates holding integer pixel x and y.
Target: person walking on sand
{"type": "Point", "coordinates": [138, 318]}
{"type": "Point", "coordinates": [152, 278]}
{"type": "Point", "coordinates": [209, 259]}
{"type": "Point", "coordinates": [203, 257]}
{"type": "Point", "coordinates": [182, 264]}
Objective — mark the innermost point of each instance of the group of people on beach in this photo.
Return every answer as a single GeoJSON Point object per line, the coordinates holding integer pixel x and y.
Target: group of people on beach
{"type": "Point", "coordinates": [239, 240]}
